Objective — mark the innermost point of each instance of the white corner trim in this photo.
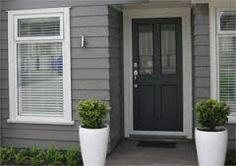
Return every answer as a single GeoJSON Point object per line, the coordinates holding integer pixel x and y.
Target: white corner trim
{"type": "Point", "coordinates": [64, 14]}
{"type": "Point", "coordinates": [213, 54]}
{"type": "Point", "coordinates": [67, 67]}
{"type": "Point", "coordinates": [185, 14]}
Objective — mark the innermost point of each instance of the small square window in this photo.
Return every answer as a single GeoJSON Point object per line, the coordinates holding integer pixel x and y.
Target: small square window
{"type": "Point", "coordinates": [33, 27]}
{"type": "Point", "coordinates": [228, 21]}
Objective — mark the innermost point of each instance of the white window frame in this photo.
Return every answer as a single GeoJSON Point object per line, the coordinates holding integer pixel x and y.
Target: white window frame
{"type": "Point", "coordinates": [64, 37]}
{"type": "Point", "coordinates": [218, 11]}
{"type": "Point", "coordinates": [214, 14]}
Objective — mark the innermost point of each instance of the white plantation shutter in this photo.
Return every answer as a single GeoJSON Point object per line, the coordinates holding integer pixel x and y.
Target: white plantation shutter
{"type": "Point", "coordinates": [39, 66]}
{"type": "Point", "coordinates": [40, 79]}
{"type": "Point", "coordinates": [227, 57]}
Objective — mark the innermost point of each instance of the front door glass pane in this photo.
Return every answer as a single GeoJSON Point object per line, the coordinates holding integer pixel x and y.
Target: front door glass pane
{"type": "Point", "coordinates": [168, 49]}
{"type": "Point", "coordinates": [145, 35]}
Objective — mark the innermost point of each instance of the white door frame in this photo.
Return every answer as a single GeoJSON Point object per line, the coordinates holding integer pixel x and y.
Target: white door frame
{"type": "Point", "coordinates": [185, 14]}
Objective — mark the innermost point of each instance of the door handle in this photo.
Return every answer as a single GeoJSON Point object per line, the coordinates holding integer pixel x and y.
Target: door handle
{"type": "Point", "coordinates": [135, 74]}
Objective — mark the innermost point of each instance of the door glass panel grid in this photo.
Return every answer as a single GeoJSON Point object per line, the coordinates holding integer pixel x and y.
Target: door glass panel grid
{"type": "Point", "coordinates": [168, 49]}
{"type": "Point", "coordinates": [145, 49]}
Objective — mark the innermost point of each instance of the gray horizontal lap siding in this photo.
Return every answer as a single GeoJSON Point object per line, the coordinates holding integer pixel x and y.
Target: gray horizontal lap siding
{"type": "Point", "coordinates": [115, 61]}
{"type": "Point", "coordinates": [22, 4]}
{"type": "Point", "coordinates": [90, 74]}
{"type": "Point", "coordinates": [201, 61]}
{"type": "Point", "coordinates": [201, 53]}
{"type": "Point", "coordinates": [232, 136]}
{"type": "Point", "coordinates": [0, 73]}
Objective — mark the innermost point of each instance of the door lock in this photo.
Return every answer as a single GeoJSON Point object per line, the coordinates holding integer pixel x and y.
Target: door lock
{"type": "Point", "coordinates": [135, 74]}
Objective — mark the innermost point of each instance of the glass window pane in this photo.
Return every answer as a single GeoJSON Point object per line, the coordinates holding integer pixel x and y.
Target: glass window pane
{"type": "Point", "coordinates": [168, 49]}
{"type": "Point", "coordinates": [34, 27]}
{"type": "Point", "coordinates": [40, 79]}
{"type": "Point", "coordinates": [227, 55]}
{"type": "Point", "coordinates": [228, 21]}
{"type": "Point", "coordinates": [145, 34]}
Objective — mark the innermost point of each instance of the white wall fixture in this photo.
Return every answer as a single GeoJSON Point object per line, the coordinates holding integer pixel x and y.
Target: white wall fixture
{"type": "Point", "coordinates": [83, 41]}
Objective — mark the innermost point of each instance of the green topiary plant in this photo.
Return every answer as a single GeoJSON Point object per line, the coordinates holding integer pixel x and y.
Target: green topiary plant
{"type": "Point", "coordinates": [212, 114]}
{"type": "Point", "coordinates": [92, 113]}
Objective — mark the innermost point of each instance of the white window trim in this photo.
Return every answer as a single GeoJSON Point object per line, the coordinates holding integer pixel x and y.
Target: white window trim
{"type": "Point", "coordinates": [214, 14]}
{"type": "Point", "coordinates": [64, 14]}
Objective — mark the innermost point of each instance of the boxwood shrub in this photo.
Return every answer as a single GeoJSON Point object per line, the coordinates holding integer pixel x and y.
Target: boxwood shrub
{"type": "Point", "coordinates": [92, 112]}
{"type": "Point", "coordinates": [36, 156]}
{"type": "Point", "coordinates": [212, 114]}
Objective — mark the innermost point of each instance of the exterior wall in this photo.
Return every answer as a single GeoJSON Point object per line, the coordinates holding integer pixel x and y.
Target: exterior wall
{"type": "Point", "coordinates": [201, 52]}
{"type": "Point", "coordinates": [90, 73]}
{"type": "Point", "coordinates": [116, 81]}
{"type": "Point", "coordinates": [96, 70]}
{"type": "Point", "coordinates": [0, 73]}
{"type": "Point", "coordinates": [201, 60]}
{"type": "Point", "coordinates": [232, 136]}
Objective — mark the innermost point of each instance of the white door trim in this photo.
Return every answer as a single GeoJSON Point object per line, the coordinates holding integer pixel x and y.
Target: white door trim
{"type": "Point", "coordinates": [185, 14]}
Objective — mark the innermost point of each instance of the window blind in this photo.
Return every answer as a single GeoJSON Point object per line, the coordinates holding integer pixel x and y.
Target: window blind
{"type": "Point", "coordinates": [228, 21]}
{"type": "Point", "coordinates": [227, 58]}
{"type": "Point", "coordinates": [33, 27]}
{"type": "Point", "coordinates": [40, 79]}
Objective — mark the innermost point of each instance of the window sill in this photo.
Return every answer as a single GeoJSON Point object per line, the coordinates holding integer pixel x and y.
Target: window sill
{"type": "Point", "coordinates": [48, 122]}
{"type": "Point", "coordinates": [232, 120]}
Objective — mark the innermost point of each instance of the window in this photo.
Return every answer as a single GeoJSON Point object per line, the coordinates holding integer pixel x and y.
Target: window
{"type": "Point", "coordinates": [39, 66]}
{"type": "Point", "coordinates": [226, 57]}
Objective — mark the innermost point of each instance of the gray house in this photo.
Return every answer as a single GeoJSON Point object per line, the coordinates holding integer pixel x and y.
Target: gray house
{"type": "Point", "coordinates": [151, 60]}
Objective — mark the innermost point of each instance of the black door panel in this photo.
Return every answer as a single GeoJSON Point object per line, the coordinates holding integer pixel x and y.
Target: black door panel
{"type": "Point", "coordinates": [157, 67]}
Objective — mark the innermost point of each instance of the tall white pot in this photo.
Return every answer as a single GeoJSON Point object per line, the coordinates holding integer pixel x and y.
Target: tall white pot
{"type": "Point", "coordinates": [211, 147]}
{"type": "Point", "coordinates": [93, 144]}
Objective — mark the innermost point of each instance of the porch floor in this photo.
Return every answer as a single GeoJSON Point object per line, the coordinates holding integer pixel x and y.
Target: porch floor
{"type": "Point", "coordinates": [128, 154]}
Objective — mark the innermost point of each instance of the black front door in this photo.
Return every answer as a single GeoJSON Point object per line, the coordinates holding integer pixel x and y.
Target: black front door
{"type": "Point", "coordinates": [157, 74]}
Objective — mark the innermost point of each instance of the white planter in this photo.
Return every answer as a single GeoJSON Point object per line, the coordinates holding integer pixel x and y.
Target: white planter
{"type": "Point", "coordinates": [93, 144]}
{"type": "Point", "coordinates": [211, 147]}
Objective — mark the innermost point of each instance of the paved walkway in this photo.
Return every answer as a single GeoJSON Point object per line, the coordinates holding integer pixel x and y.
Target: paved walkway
{"type": "Point", "coordinates": [128, 154]}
